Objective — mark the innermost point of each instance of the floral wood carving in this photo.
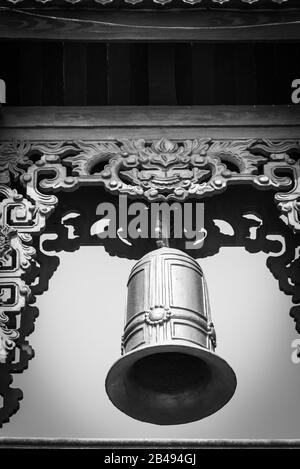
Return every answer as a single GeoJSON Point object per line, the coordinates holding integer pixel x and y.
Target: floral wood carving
{"type": "Point", "coordinates": [33, 173]}
{"type": "Point", "coordinates": [165, 170]}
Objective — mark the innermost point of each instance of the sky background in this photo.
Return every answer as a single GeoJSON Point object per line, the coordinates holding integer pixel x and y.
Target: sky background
{"type": "Point", "coordinates": [77, 338]}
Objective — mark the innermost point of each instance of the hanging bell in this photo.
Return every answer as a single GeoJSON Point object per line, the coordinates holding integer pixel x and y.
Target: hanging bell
{"type": "Point", "coordinates": [169, 373]}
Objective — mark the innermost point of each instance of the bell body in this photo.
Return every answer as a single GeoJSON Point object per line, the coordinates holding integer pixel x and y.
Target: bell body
{"type": "Point", "coordinates": [169, 373]}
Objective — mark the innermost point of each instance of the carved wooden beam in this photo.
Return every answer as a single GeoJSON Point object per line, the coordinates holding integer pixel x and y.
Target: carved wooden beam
{"type": "Point", "coordinates": [155, 25]}
{"type": "Point", "coordinates": [205, 3]}
{"type": "Point", "coordinates": [254, 4]}
{"type": "Point", "coordinates": [151, 122]}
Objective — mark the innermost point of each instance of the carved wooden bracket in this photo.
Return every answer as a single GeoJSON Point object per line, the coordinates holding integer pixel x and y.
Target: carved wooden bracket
{"type": "Point", "coordinates": [32, 173]}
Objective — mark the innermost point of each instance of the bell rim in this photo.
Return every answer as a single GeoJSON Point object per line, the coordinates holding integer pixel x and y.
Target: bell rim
{"type": "Point", "coordinates": [122, 365]}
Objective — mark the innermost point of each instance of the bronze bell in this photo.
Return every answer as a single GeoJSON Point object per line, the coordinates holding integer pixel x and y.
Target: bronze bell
{"type": "Point", "coordinates": [169, 373]}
